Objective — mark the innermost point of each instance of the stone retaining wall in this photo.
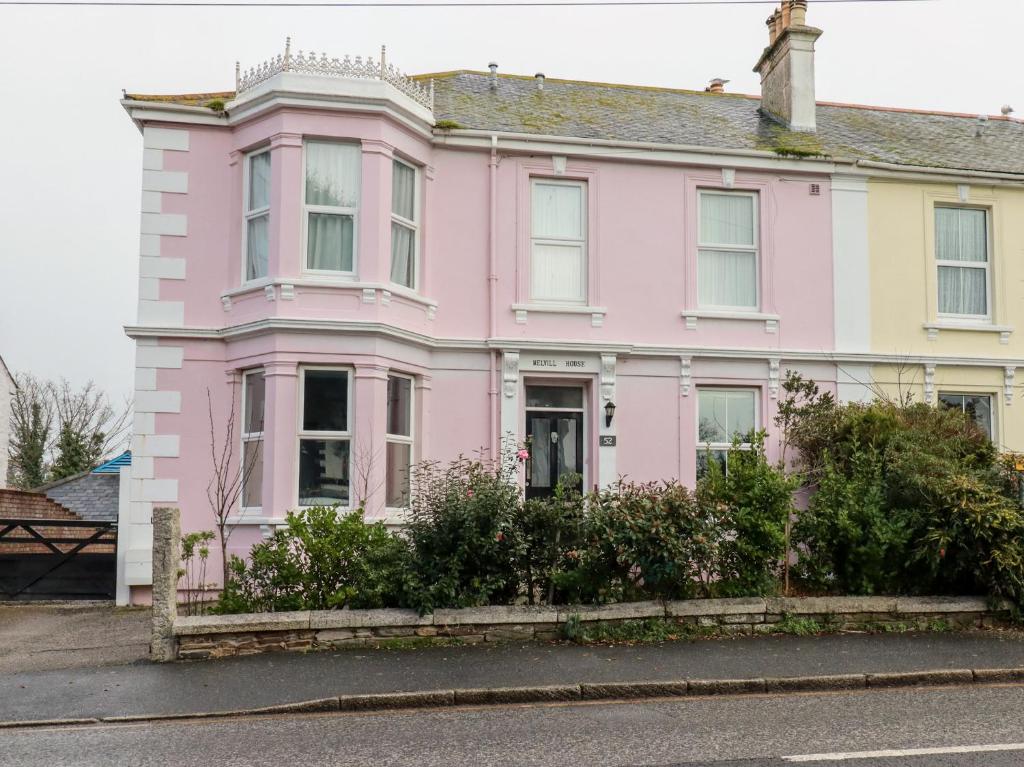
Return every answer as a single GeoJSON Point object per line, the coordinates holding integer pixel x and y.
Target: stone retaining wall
{"type": "Point", "coordinates": [215, 636]}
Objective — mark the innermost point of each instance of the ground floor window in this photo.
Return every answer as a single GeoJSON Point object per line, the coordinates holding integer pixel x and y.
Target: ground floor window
{"type": "Point", "coordinates": [325, 437]}
{"type": "Point", "coordinates": [723, 416]}
{"type": "Point", "coordinates": [399, 442]}
{"type": "Point", "coordinates": [253, 405]}
{"type": "Point", "coordinates": [977, 406]}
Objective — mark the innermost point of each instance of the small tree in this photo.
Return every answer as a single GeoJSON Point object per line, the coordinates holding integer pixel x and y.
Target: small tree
{"type": "Point", "coordinates": [31, 427]}
{"type": "Point", "coordinates": [228, 475]}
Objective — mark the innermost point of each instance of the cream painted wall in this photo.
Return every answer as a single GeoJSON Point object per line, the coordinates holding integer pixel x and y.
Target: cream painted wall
{"type": "Point", "coordinates": [904, 292]}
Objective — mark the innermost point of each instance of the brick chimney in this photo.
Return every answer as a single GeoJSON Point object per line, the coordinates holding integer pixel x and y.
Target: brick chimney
{"type": "Point", "coordinates": [787, 67]}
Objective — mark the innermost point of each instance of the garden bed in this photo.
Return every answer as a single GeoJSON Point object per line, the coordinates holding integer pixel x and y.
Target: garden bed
{"type": "Point", "coordinates": [216, 636]}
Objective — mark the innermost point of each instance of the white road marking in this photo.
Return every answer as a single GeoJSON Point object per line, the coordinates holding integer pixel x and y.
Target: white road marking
{"type": "Point", "coordinates": [842, 757]}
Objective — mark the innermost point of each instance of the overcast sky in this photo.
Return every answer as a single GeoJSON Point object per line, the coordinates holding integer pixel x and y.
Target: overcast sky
{"type": "Point", "coordinates": [70, 164]}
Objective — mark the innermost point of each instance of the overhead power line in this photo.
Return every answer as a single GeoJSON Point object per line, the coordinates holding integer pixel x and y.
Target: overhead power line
{"type": "Point", "coordinates": [409, 4]}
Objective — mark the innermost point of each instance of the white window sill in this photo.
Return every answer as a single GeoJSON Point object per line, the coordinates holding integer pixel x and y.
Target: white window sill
{"type": "Point", "coordinates": [771, 321]}
{"type": "Point", "coordinates": [596, 313]}
{"type": "Point", "coordinates": [372, 292]}
{"type": "Point", "coordinates": [969, 326]}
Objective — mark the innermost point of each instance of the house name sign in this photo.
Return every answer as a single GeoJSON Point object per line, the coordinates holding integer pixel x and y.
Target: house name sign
{"type": "Point", "coordinates": [559, 363]}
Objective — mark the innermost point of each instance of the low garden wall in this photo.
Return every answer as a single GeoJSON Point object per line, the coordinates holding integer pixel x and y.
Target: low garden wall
{"type": "Point", "coordinates": [215, 636]}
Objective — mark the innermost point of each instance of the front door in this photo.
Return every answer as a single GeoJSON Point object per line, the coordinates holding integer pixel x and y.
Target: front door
{"type": "Point", "coordinates": [554, 433]}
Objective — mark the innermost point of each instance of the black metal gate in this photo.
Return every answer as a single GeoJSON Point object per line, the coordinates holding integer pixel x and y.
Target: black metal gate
{"type": "Point", "coordinates": [35, 564]}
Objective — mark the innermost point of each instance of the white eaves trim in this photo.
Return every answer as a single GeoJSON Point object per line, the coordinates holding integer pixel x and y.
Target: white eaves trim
{"type": "Point", "coordinates": [277, 325]}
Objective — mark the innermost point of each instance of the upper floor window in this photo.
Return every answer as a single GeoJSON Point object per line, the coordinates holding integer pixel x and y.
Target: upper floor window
{"type": "Point", "coordinates": [257, 214]}
{"type": "Point", "coordinates": [253, 405]}
{"type": "Point", "coordinates": [331, 201]}
{"type": "Point", "coordinates": [727, 251]}
{"type": "Point", "coordinates": [398, 457]}
{"type": "Point", "coordinates": [325, 437]}
{"type": "Point", "coordinates": [724, 415]}
{"type": "Point", "coordinates": [977, 407]}
{"type": "Point", "coordinates": [558, 251]}
{"type": "Point", "coordinates": [404, 224]}
{"type": "Point", "coordinates": [962, 258]}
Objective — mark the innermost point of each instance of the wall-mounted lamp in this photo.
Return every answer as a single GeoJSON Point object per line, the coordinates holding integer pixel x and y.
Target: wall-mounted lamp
{"type": "Point", "coordinates": [609, 413]}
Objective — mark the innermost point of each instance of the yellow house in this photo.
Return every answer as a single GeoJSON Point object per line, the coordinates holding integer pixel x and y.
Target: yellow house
{"type": "Point", "coordinates": [946, 259]}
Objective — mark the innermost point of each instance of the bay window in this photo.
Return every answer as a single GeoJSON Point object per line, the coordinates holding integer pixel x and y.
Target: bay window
{"type": "Point", "coordinates": [325, 437]}
{"type": "Point", "coordinates": [404, 226]}
{"type": "Point", "coordinates": [256, 227]}
{"type": "Point", "coordinates": [253, 406]}
{"type": "Point", "coordinates": [558, 246]}
{"type": "Point", "coordinates": [398, 442]}
{"type": "Point", "coordinates": [331, 203]}
{"type": "Point", "coordinates": [962, 260]}
{"type": "Point", "coordinates": [723, 416]}
{"type": "Point", "coordinates": [727, 251]}
{"type": "Point", "coordinates": [977, 407]}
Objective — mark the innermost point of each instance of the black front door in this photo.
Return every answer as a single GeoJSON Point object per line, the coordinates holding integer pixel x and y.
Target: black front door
{"type": "Point", "coordinates": [555, 440]}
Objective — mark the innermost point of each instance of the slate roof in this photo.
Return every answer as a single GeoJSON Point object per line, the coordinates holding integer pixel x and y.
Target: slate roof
{"type": "Point", "coordinates": [724, 121]}
{"type": "Point", "coordinates": [91, 496]}
{"type": "Point", "coordinates": [572, 108]}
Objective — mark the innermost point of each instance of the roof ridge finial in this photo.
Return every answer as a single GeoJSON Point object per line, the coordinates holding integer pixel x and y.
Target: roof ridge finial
{"type": "Point", "coordinates": [287, 53]}
{"type": "Point", "coordinates": [238, 75]}
{"type": "Point", "coordinates": [383, 60]}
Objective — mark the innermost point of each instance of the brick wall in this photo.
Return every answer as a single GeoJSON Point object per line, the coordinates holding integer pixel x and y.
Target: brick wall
{"type": "Point", "coordinates": [19, 504]}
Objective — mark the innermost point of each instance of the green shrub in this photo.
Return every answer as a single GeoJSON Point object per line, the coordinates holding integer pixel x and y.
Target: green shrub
{"type": "Point", "coordinates": [909, 499]}
{"type": "Point", "coordinates": [645, 541]}
{"type": "Point", "coordinates": [547, 535]}
{"type": "Point", "coordinates": [463, 553]}
{"type": "Point", "coordinates": [853, 543]}
{"type": "Point", "coordinates": [754, 500]}
{"type": "Point", "coordinates": [322, 560]}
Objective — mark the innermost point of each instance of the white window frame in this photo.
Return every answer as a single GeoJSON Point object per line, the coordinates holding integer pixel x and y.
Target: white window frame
{"type": "Point", "coordinates": [251, 436]}
{"type": "Point", "coordinates": [755, 198]}
{"type": "Point", "coordinates": [409, 440]}
{"type": "Point", "coordinates": [248, 215]}
{"type": "Point", "coordinates": [326, 436]}
{"type": "Point", "coordinates": [727, 447]}
{"type": "Point", "coordinates": [413, 225]}
{"type": "Point", "coordinates": [353, 212]}
{"type": "Point", "coordinates": [992, 400]}
{"type": "Point", "coordinates": [982, 319]}
{"type": "Point", "coordinates": [584, 188]}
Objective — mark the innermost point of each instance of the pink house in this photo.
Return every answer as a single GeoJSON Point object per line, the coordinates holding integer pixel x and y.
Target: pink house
{"type": "Point", "coordinates": [373, 270]}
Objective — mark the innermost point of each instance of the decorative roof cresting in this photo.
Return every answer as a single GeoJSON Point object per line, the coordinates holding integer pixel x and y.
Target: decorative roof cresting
{"type": "Point", "coordinates": [352, 67]}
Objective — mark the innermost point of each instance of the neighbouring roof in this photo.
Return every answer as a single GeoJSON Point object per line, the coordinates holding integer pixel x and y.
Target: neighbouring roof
{"type": "Point", "coordinates": [572, 108]}
{"type": "Point", "coordinates": [91, 496]}
{"type": "Point", "coordinates": [114, 465]}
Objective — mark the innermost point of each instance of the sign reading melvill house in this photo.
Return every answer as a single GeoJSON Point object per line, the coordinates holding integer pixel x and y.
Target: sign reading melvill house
{"type": "Point", "coordinates": [559, 363]}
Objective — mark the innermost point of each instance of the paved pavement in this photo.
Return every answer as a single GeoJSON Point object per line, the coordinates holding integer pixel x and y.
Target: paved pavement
{"type": "Point", "coordinates": [272, 679]}
{"type": "Point", "coordinates": [753, 731]}
{"type": "Point", "coordinates": [41, 637]}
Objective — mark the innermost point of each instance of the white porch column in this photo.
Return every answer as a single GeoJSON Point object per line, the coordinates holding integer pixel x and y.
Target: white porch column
{"type": "Point", "coordinates": [606, 450]}
{"type": "Point", "coordinates": [511, 431]}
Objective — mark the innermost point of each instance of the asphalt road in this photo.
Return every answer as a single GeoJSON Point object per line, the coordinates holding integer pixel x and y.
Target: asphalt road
{"type": "Point", "coordinates": [751, 731]}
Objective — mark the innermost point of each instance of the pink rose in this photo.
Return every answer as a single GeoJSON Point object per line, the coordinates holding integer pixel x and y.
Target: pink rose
{"type": "Point", "coordinates": [523, 455]}
{"type": "Point", "coordinates": [499, 537]}
{"type": "Point", "coordinates": [469, 493]}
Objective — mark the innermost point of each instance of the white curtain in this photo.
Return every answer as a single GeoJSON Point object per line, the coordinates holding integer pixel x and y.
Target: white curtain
{"type": "Point", "coordinates": [403, 191]}
{"type": "Point", "coordinates": [329, 240]}
{"type": "Point", "coordinates": [259, 181]}
{"type": "Point", "coordinates": [540, 449]}
{"type": "Point", "coordinates": [558, 211]}
{"type": "Point", "coordinates": [961, 234]}
{"type": "Point", "coordinates": [557, 273]}
{"type": "Point", "coordinates": [403, 244]}
{"type": "Point", "coordinates": [332, 174]}
{"type": "Point", "coordinates": [727, 278]}
{"type": "Point", "coordinates": [726, 219]}
{"type": "Point", "coordinates": [962, 290]}
{"type": "Point", "coordinates": [257, 246]}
